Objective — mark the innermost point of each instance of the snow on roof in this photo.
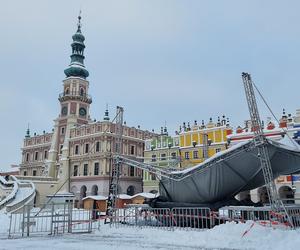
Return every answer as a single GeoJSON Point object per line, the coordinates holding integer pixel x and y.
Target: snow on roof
{"type": "Point", "coordinates": [185, 171]}
{"type": "Point", "coordinates": [21, 195]}
{"type": "Point", "coordinates": [96, 197]}
{"type": "Point", "coordinates": [288, 143]}
{"type": "Point", "coordinates": [124, 196]}
{"type": "Point", "coordinates": [146, 195]}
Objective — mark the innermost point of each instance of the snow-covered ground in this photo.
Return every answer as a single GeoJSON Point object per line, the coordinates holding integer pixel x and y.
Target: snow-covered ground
{"type": "Point", "coordinates": [227, 236]}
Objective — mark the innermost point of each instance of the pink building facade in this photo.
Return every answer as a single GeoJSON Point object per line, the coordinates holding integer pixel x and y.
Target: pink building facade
{"type": "Point", "coordinates": [77, 155]}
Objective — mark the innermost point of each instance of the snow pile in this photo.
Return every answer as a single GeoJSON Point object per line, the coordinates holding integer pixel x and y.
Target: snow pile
{"type": "Point", "coordinates": [229, 235]}
{"type": "Point", "coordinates": [226, 236]}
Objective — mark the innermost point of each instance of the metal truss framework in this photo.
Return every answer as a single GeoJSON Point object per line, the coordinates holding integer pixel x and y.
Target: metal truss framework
{"type": "Point", "coordinates": [259, 139]}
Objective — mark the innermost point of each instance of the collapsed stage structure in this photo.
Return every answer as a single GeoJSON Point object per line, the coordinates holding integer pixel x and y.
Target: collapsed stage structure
{"type": "Point", "coordinates": [243, 167]}
{"type": "Point", "coordinates": [220, 178]}
{"type": "Point", "coordinates": [214, 182]}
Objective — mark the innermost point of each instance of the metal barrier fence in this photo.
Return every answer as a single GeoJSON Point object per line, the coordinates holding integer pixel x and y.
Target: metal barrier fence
{"type": "Point", "coordinates": [63, 218]}
{"type": "Point", "coordinates": [262, 215]}
{"type": "Point", "coordinates": [193, 218]}
{"type": "Point", "coordinates": [53, 219]}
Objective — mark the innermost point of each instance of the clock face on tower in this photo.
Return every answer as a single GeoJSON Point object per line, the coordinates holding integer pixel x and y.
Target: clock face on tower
{"type": "Point", "coordinates": [64, 111]}
{"type": "Point", "coordinates": [82, 112]}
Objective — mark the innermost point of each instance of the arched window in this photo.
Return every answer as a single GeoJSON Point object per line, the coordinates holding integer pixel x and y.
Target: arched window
{"type": "Point", "coordinates": [130, 190]}
{"type": "Point", "coordinates": [67, 92]}
{"type": "Point", "coordinates": [287, 194]}
{"type": "Point", "coordinates": [74, 190]}
{"type": "Point", "coordinates": [95, 190]}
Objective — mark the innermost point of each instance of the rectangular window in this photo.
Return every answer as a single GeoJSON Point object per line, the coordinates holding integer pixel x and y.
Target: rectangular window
{"type": "Point", "coordinates": [132, 149]}
{"type": "Point", "coordinates": [86, 148]}
{"type": "Point", "coordinates": [173, 155]}
{"type": "Point", "coordinates": [76, 149]}
{"type": "Point", "coordinates": [96, 168]}
{"type": "Point", "coordinates": [27, 157]}
{"type": "Point", "coordinates": [153, 158]}
{"type": "Point", "coordinates": [97, 146]}
{"type": "Point", "coordinates": [85, 169]}
{"type": "Point", "coordinates": [60, 149]}
{"type": "Point", "coordinates": [75, 171]}
{"type": "Point", "coordinates": [34, 172]}
{"type": "Point", "coordinates": [46, 154]}
{"type": "Point", "coordinates": [36, 156]}
{"type": "Point", "coordinates": [195, 154]}
{"type": "Point", "coordinates": [187, 155]}
{"type": "Point", "coordinates": [62, 130]}
{"type": "Point", "coordinates": [131, 171]}
{"type": "Point", "coordinates": [163, 157]}
{"type": "Point", "coordinates": [153, 177]}
{"type": "Point", "coordinates": [25, 173]}
{"type": "Point", "coordinates": [117, 147]}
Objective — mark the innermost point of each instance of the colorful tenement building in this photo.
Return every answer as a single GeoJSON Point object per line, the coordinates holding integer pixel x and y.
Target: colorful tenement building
{"type": "Point", "coordinates": [76, 157]}
{"type": "Point", "coordinates": [186, 148]}
{"type": "Point", "coordinates": [161, 151]}
{"type": "Point", "coordinates": [192, 145]}
{"type": "Point", "coordinates": [288, 186]}
{"type": "Point", "coordinates": [286, 123]}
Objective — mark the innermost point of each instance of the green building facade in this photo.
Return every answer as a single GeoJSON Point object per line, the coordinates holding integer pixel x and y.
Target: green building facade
{"type": "Point", "coordinates": [162, 151]}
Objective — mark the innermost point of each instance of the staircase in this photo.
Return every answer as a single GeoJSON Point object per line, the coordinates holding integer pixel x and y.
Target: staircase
{"type": "Point", "coordinates": [15, 194]}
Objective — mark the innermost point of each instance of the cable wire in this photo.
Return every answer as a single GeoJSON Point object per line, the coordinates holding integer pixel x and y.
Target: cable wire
{"type": "Point", "coordinates": [272, 113]}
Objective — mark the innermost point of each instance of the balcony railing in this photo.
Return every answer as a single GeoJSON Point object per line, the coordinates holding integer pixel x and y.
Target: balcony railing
{"type": "Point", "coordinates": [75, 95]}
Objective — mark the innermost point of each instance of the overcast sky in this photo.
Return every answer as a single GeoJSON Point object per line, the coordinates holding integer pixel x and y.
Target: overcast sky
{"type": "Point", "coordinates": [163, 60]}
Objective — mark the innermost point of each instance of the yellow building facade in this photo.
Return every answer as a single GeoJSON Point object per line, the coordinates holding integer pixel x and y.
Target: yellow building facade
{"type": "Point", "coordinates": [191, 141]}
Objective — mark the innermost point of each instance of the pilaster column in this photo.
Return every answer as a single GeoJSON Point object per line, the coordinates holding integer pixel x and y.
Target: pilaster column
{"type": "Point", "coordinates": [50, 163]}
{"type": "Point", "coordinates": [64, 169]}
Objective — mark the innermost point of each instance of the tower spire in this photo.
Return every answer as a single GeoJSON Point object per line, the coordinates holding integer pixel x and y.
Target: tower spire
{"type": "Point", "coordinates": [76, 67]}
{"type": "Point", "coordinates": [79, 22]}
{"type": "Point", "coordinates": [106, 114]}
{"type": "Point", "coordinates": [27, 132]}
